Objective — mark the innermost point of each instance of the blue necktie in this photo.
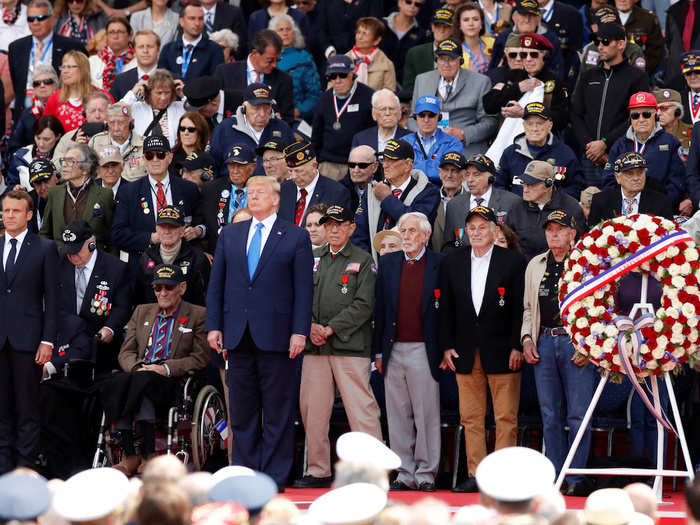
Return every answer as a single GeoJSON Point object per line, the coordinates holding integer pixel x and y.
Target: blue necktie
{"type": "Point", "coordinates": [235, 204]}
{"type": "Point", "coordinates": [209, 23]}
{"type": "Point", "coordinates": [10, 268]}
{"type": "Point", "coordinates": [254, 250]}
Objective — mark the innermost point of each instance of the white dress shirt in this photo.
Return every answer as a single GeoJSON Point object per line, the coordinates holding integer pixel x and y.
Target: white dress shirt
{"type": "Point", "coordinates": [193, 43]}
{"type": "Point", "coordinates": [480, 269]}
{"type": "Point", "coordinates": [417, 257]}
{"type": "Point", "coordinates": [89, 266]}
{"type": "Point", "coordinates": [154, 192]}
{"type": "Point", "coordinates": [442, 86]}
{"type": "Point", "coordinates": [381, 142]}
{"type": "Point", "coordinates": [265, 232]}
{"type": "Point", "coordinates": [251, 73]}
{"type": "Point", "coordinates": [213, 14]}
{"type": "Point", "coordinates": [8, 246]}
{"type": "Point", "coordinates": [486, 196]}
{"type": "Point", "coordinates": [140, 72]}
{"type": "Point", "coordinates": [310, 188]}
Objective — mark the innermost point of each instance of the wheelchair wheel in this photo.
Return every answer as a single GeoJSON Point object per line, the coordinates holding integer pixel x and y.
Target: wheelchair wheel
{"type": "Point", "coordinates": [207, 441]}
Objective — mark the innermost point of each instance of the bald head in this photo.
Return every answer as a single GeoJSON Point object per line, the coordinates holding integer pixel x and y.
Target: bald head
{"type": "Point", "coordinates": [163, 469]}
{"type": "Point", "coordinates": [359, 157]}
{"type": "Point", "coordinates": [362, 154]}
{"type": "Point", "coordinates": [643, 499]}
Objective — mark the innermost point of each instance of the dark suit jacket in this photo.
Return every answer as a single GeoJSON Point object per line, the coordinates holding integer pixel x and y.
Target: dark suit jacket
{"type": "Point", "coordinates": [123, 84]}
{"type": "Point", "coordinates": [20, 50]}
{"type": "Point", "coordinates": [368, 137]}
{"type": "Point", "coordinates": [209, 206]}
{"type": "Point", "coordinates": [99, 213]}
{"type": "Point", "coordinates": [608, 204]}
{"type": "Point", "coordinates": [205, 57]}
{"type": "Point", "coordinates": [567, 17]}
{"type": "Point", "coordinates": [284, 271]}
{"type": "Point", "coordinates": [110, 277]}
{"type": "Point", "coordinates": [495, 331]}
{"type": "Point", "coordinates": [234, 76]}
{"type": "Point", "coordinates": [327, 191]}
{"type": "Point", "coordinates": [231, 17]}
{"type": "Point", "coordinates": [132, 227]}
{"type": "Point", "coordinates": [188, 349]}
{"type": "Point", "coordinates": [29, 303]}
{"type": "Point", "coordinates": [386, 307]}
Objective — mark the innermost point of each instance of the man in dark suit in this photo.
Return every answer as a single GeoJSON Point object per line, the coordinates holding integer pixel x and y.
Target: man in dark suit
{"type": "Point", "coordinates": [386, 112]}
{"type": "Point", "coordinates": [222, 15]}
{"type": "Point", "coordinates": [41, 46]}
{"type": "Point", "coordinates": [135, 218]}
{"type": "Point", "coordinates": [194, 54]}
{"type": "Point", "coordinates": [256, 261]}
{"type": "Point", "coordinates": [481, 290]}
{"type": "Point", "coordinates": [306, 186]}
{"type": "Point", "coordinates": [261, 66]}
{"type": "Point", "coordinates": [42, 177]}
{"type": "Point", "coordinates": [479, 178]}
{"type": "Point", "coordinates": [207, 96]}
{"type": "Point", "coordinates": [406, 351]}
{"type": "Point", "coordinates": [631, 196]}
{"type": "Point", "coordinates": [28, 309]}
{"type": "Point", "coordinates": [146, 50]}
{"type": "Point", "coordinates": [94, 288]}
{"type": "Point", "coordinates": [224, 196]}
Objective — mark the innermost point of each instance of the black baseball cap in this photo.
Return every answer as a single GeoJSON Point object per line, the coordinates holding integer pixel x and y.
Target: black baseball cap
{"type": "Point", "coordinates": [74, 236]}
{"type": "Point", "coordinates": [240, 154]}
{"type": "Point", "coordinates": [611, 30]}
{"type": "Point", "coordinates": [337, 214]}
{"type": "Point", "coordinates": [270, 145]}
{"type": "Point", "coordinates": [167, 274]}
{"type": "Point", "coordinates": [258, 93]}
{"type": "Point", "coordinates": [156, 143]}
{"type": "Point", "coordinates": [443, 16]}
{"type": "Point", "coordinates": [537, 109]}
{"type": "Point", "coordinates": [398, 149]}
{"type": "Point", "coordinates": [629, 160]}
{"type": "Point", "coordinates": [170, 215]}
{"type": "Point", "coordinates": [527, 6]}
{"type": "Point", "coordinates": [482, 163]}
{"type": "Point", "coordinates": [456, 158]}
{"type": "Point", "coordinates": [560, 217]}
{"type": "Point", "coordinates": [483, 212]}
{"type": "Point", "coordinates": [198, 160]}
{"type": "Point", "coordinates": [450, 47]}
{"type": "Point", "coordinates": [40, 170]}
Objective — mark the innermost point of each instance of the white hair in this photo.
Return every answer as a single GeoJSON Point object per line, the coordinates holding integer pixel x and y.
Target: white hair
{"type": "Point", "coordinates": [385, 92]}
{"type": "Point", "coordinates": [42, 3]}
{"type": "Point", "coordinates": [298, 40]}
{"type": "Point", "coordinates": [228, 37]}
{"type": "Point", "coordinates": [423, 222]}
{"type": "Point", "coordinates": [45, 69]}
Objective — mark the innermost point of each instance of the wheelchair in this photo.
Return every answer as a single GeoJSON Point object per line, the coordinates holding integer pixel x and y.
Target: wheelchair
{"type": "Point", "coordinates": [194, 429]}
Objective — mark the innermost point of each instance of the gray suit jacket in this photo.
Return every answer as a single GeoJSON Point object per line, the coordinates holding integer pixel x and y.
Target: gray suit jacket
{"type": "Point", "coordinates": [464, 105]}
{"type": "Point", "coordinates": [501, 202]}
{"type": "Point", "coordinates": [436, 239]}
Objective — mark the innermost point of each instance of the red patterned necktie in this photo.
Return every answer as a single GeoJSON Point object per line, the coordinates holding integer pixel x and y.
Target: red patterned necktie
{"type": "Point", "coordinates": [396, 192]}
{"type": "Point", "coordinates": [160, 196]}
{"type": "Point", "coordinates": [301, 205]}
{"type": "Point", "coordinates": [688, 26]}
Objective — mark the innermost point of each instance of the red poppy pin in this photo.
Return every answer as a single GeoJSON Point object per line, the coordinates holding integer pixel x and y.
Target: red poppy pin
{"type": "Point", "coordinates": [501, 292]}
{"type": "Point", "coordinates": [183, 320]}
{"type": "Point", "coordinates": [437, 297]}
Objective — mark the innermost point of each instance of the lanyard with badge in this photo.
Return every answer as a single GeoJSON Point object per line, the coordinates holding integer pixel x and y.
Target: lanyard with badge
{"type": "Point", "coordinates": [472, 56]}
{"type": "Point", "coordinates": [487, 17]}
{"type": "Point", "coordinates": [185, 60]}
{"type": "Point", "coordinates": [638, 149]}
{"type": "Point", "coordinates": [119, 63]}
{"type": "Point", "coordinates": [43, 54]}
{"type": "Point", "coordinates": [336, 124]}
{"type": "Point", "coordinates": [547, 15]}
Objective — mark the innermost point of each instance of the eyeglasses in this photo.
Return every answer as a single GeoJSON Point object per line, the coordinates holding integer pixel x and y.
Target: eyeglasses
{"type": "Point", "coordinates": [523, 54]}
{"type": "Point", "coordinates": [426, 114]}
{"type": "Point", "coordinates": [271, 160]}
{"type": "Point", "coordinates": [333, 76]}
{"type": "Point", "coordinates": [361, 165]}
{"type": "Point", "coordinates": [157, 288]}
{"type": "Point", "coordinates": [75, 1]}
{"type": "Point", "coordinates": [189, 129]}
{"type": "Point", "coordinates": [605, 41]}
{"type": "Point", "coordinates": [68, 66]}
{"type": "Point", "coordinates": [413, 2]}
{"type": "Point", "coordinates": [45, 82]}
{"type": "Point", "coordinates": [117, 32]}
{"type": "Point", "coordinates": [37, 18]}
{"type": "Point", "coordinates": [70, 162]}
{"type": "Point", "coordinates": [644, 114]}
{"type": "Point", "coordinates": [160, 154]}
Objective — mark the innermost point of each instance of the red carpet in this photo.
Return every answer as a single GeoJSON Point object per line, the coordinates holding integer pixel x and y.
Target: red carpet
{"type": "Point", "coordinates": [672, 511]}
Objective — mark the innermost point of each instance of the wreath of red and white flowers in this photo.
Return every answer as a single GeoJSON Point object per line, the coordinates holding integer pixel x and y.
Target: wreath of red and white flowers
{"type": "Point", "coordinates": [642, 243]}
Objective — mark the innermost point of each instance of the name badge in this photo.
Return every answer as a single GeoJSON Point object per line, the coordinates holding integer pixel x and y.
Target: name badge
{"type": "Point", "coordinates": [445, 120]}
{"type": "Point", "coordinates": [353, 108]}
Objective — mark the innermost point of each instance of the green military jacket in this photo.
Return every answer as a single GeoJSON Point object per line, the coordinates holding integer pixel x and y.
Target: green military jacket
{"type": "Point", "coordinates": [343, 300]}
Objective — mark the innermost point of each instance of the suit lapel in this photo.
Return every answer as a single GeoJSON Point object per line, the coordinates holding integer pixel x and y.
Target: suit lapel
{"type": "Point", "coordinates": [461, 82]}
{"type": "Point", "coordinates": [428, 295]}
{"type": "Point", "coordinates": [240, 246]}
{"type": "Point", "coordinates": [276, 233]}
{"type": "Point", "coordinates": [2, 256]}
{"type": "Point", "coordinates": [90, 202]}
{"type": "Point", "coordinates": [22, 255]}
{"type": "Point", "coordinates": [394, 279]}
{"type": "Point", "coordinates": [466, 274]}
{"type": "Point", "coordinates": [183, 313]}
{"type": "Point", "coordinates": [491, 277]}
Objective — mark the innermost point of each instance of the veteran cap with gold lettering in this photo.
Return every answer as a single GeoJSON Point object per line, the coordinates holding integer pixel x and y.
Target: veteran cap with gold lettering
{"type": "Point", "coordinates": [537, 109]}
{"type": "Point", "coordinates": [398, 149]}
{"type": "Point", "coordinates": [170, 215]}
{"type": "Point", "coordinates": [629, 160]}
{"type": "Point", "coordinates": [456, 158]}
{"type": "Point", "coordinates": [338, 214]}
{"type": "Point", "coordinates": [167, 274]}
{"type": "Point", "coordinates": [450, 47]}
{"type": "Point", "coordinates": [690, 61]}
{"type": "Point", "coordinates": [299, 153]}
{"type": "Point", "coordinates": [258, 93]}
{"type": "Point", "coordinates": [483, 212]}
{"type": "Point", "coordinates": [560, 217]}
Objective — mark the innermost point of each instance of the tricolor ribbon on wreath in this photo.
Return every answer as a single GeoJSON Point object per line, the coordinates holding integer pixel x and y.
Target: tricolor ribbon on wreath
{"type": "Point", "coordinates": [630, 329]}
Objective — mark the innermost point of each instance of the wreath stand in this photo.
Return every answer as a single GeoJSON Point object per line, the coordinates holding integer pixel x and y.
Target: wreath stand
{"type": "Point", "coordinates": [659, 471]}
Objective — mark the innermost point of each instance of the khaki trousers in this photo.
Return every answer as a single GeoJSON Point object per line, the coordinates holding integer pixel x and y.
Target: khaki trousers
{"type": "Point", "coordinates": [505, 394]}
{"type": "Point", "coordinates": [333, 170]}
{"type": "Point", "coordinates": [351, 375]}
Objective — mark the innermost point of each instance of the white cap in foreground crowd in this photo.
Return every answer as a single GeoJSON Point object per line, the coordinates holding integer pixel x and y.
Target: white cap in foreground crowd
{"type": "Point", "coordinates": [514, 474]}
{"type": "Point", "coordinates": [359, 446]}
{"type": "Point", "coordinates": [230, 471]}
{"type": "Point", "coordinates": [612, 507]}
{"type": "Point", "coordinates": [91, 494]}
{"type": "Point", "coordinates": [352, 504]}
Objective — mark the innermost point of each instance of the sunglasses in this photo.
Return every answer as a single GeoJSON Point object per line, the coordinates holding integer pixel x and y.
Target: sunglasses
{"type": "Point", "coordinates": [160, 154]}
{"type": "Point", "coordinates": [188, 129]}
{"type": "Point", "coordinates": [333, 76]}
{"type": "Point", "coordinates": [644, 114]}
{"type": "Point", "coordinates": [45, 82]}
{"type": "Point", "coordinates": [361, 165]}
{"type": "Point", "coordinates": [602, 41]}
{"type": "Point", "coordinates": [413, 2]}
{"type": "Point", "coordinates": [157, 288]}
{"type": "Point", "coordinates": [38, 18]}
{"type": "Point", "coordinates": [523, 54]}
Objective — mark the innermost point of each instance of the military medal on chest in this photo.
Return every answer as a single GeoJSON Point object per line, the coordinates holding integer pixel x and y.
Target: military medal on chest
{"type": "Point", "coordinates": [501, 292]}
{"type": "Point", "coordinates": [437, 298]}
{"type": "Point", "coordinates": [223, 200]}
{"type": "Point", "coordinates": [344, 280]}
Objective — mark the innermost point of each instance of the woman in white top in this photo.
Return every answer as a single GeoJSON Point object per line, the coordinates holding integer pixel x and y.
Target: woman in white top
{"type": "Point", "coordinates": [159, 18]}
{"type": "Point", "coordinates": [156, 100]}
{"type": "Point", "coordinates": [13, 22]}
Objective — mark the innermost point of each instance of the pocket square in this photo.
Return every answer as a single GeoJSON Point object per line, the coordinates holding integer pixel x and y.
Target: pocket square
{"type": "Point", "coordinates": [184, 329]}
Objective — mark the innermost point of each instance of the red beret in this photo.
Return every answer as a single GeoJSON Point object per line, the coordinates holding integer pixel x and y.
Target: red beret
{"type": "Point", "coordinates": [535, 41]}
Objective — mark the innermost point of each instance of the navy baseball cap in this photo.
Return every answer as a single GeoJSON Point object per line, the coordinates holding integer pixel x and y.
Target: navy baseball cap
{"type": "Point", "coordinates": [241, 154]}
{"type": "Point", "coordinates": [74, 236]}
{"type": "Point", "coordinates": [339, 64]}
{"type": "Point", "coordinates": [258, 93]}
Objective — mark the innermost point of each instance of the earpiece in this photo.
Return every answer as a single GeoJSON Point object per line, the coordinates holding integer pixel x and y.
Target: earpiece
{"type": "Point", "coordinates": [677, 113]}
{"type": "Point", "coordinates": [205, 177]}
{"type": "Point", "coordinates": [492, 178]}
{"type": "Point", "coordinates": [243, 110]}
{"type": "Point", "coordinates": [656, 117]}
{"type": "Point", "coordinates": [461, 60]}
{"type": "Point", "coordinates": [131, 126]}
{"type": "Point", "coordinates": [549, 182]}
{"type": "Point", "coordinates": [92, 246]}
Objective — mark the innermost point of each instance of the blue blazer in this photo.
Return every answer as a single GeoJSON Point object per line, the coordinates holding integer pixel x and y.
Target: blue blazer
{"type": "Point", "coordinates": [205, 57]}
{"type": "Point", "coordinates": [276, 302]}
{"type": "Point", "coordinates": [134, 222]}
{"type": "Point", "coordinates": [327, 191]}
{"type": "Point", "coordinates": [386, 307]}
{"type": "Point", "coordinates": [368, 137]}
{"type": "Point", "coordinates": [29, 303]}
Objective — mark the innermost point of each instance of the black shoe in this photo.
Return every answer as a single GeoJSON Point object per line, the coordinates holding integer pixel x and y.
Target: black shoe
{"type": "Point", "coordinates": [580, 489]}
{"type": "Point", "coordinates": [564, 488]}
{"type": "Point", "coordinates": [311, 482]}
{"type": "Point", "coordinates": [468, 485]}
{"type": "Point", "coordinates": [399, 485]}
{"type": "Point", "coordinates": [427, 486]}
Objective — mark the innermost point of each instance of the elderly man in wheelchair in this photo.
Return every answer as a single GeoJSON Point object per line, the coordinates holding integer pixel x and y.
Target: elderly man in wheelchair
{"type": "Point", "coordinates": [163, 343]}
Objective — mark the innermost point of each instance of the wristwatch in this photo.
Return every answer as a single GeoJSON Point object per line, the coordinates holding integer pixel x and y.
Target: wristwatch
{"type": "Point", "coordinates": [127, 13]}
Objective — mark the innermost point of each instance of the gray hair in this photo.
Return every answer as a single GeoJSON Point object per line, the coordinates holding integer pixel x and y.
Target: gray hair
{"type": "Point", "coordinates": [228, 37]}
{"type": "Point", "coordinates": [197, 486]}
{"type": "Point", "coordinates": [423, 222]}
{"type": "Point", "coordinates": [45, 69]}
{"type": "Point", "coordinates": [298, 40]}
{"type": "Point", "coordinates": [385, 92]}
{"type": "Point", "coordinates": [347, 472]}
{"type": "Point", "coordinates": [90, 159]}
{"type": "Point", "coordinates": [42, 3]}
